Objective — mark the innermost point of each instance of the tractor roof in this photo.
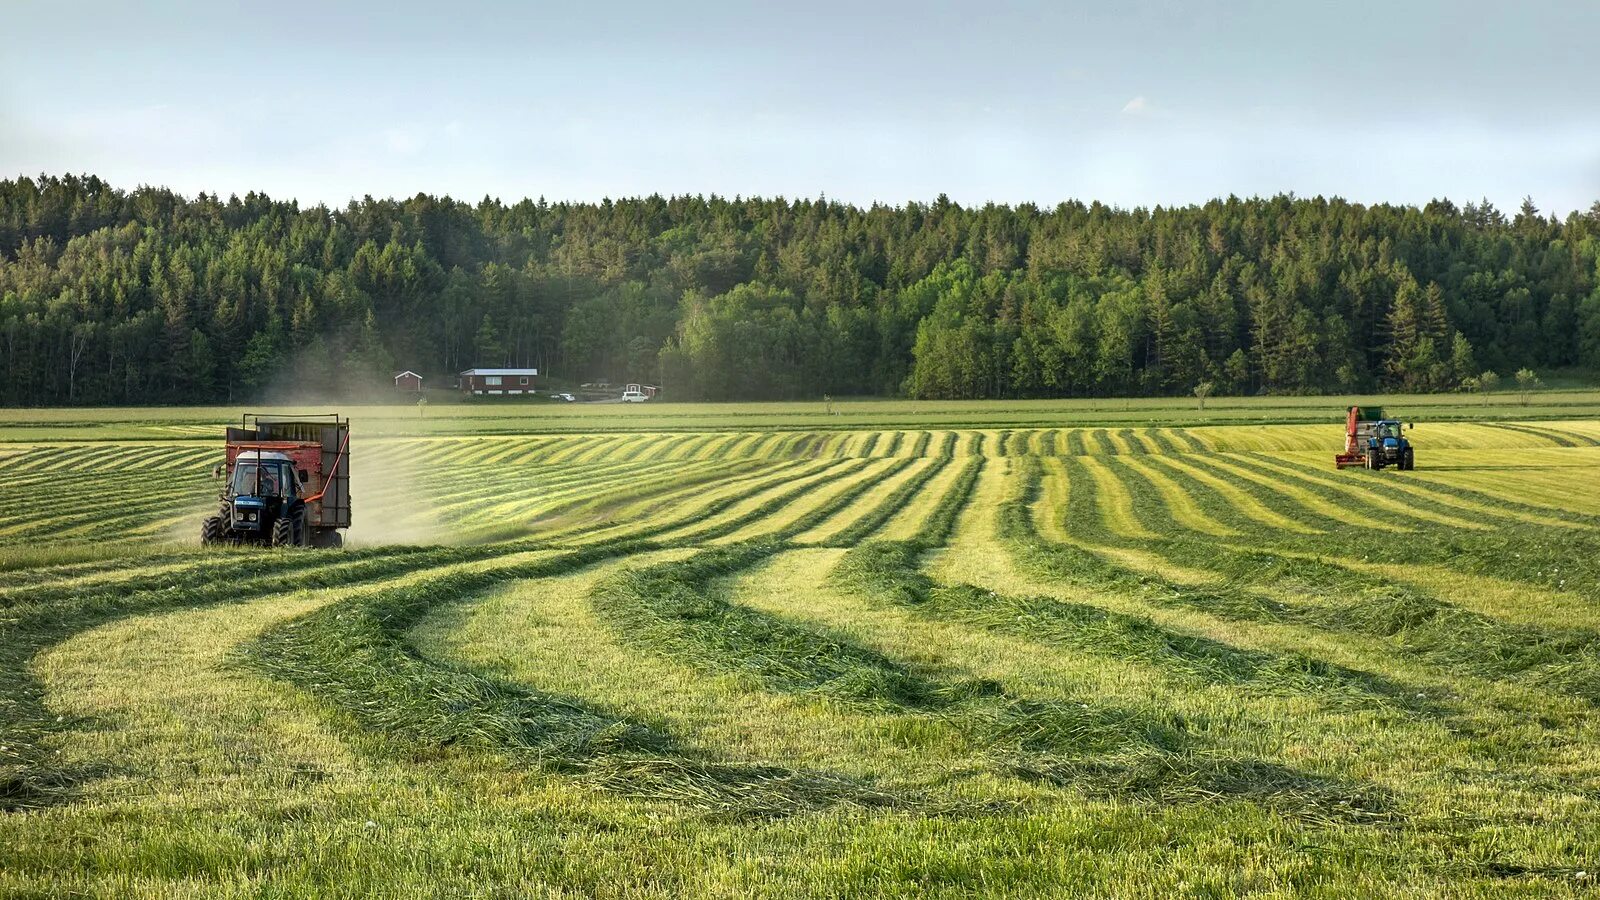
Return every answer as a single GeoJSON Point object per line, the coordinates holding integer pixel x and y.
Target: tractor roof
{"type": "Point", "coordinates": [261, 456]}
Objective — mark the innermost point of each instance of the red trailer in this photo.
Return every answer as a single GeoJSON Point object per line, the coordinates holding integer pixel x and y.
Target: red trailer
{"type": "Point", "coordinates": [287, 482]}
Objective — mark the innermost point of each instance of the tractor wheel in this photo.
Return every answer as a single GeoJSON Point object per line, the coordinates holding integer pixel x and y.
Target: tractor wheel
{"type": "Point", "coordinates": [211, 531]}
{"type": "Point", "coordinates": [1410, 461]}
{"type": "Point", "coordinates": [282, 533]}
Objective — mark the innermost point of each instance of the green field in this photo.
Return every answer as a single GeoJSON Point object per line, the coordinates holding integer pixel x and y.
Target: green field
{"type": "Point", "coordinates": [1126, 648]}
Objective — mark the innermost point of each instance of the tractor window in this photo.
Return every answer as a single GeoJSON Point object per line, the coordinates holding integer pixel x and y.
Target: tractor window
{"type": "Point", "coordinates": [244, 480]}
{"type": "Point", "coordinates": [258, 480]}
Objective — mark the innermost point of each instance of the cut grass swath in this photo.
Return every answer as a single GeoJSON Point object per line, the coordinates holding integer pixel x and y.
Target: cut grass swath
{"type": "Point", "coordinates": [353, 657]}
{"type": "Point", "coordinates": [1340, 601]}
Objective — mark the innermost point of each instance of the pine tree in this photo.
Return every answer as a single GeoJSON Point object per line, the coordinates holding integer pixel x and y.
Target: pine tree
{"type": "Point", "coordinates": [263, 359]}
{"type": "Point", "coordinates": [1404, 332]}
{"type": "Point", "coordinates": [1163, 334]}
{"type": "Point", "coordinates": [1237, 371]}
{"type": "Point", "coordinates": [1463, 362]}
{"type": "Point", "coordinates": [1431, 319]}
{"type": "Point", "coordinates": [487, 343]}
{"type": "Point", "coordinates": [197, 368]}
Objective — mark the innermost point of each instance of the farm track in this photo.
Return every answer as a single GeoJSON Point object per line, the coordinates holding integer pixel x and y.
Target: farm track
{"type": "Point", "coordinates": [755, 627]}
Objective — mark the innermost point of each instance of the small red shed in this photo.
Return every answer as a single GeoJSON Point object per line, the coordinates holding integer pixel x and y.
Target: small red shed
{"type": "Point", "coordinates": [408, 382]}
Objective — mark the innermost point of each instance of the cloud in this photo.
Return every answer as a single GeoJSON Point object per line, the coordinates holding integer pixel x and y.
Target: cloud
{"type": "Point", "coordinates": [1136, 106]}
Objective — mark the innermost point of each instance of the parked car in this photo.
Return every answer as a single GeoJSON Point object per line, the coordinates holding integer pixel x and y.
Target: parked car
{"type": "Point", "coordinates": [563, 397]}
{"type": "Point", "coordinates": [634, 397]}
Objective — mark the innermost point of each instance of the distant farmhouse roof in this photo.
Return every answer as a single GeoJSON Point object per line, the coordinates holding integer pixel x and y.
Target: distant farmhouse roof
{"type": "Point", "coordinates": [500, 372]}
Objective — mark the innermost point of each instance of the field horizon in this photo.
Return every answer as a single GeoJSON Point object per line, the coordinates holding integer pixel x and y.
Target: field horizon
{"type": "Point", "coordinates": [532, 417]}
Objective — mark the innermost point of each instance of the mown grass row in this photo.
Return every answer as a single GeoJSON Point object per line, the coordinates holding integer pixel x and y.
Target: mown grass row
{"type": "Point", "coordinates": [1554, 558]}
{"type": "Point", "coordinates": [1133, 765]}
{"type": "Point", "coordinates": [34, 616]}
{"type": "Point", "coordinates": [497, 484]}
{"type": "Point", "coordinates": [1082, 628]}
{"type": "Point", "coordinates": [353, 657]}
{"type": "Point", "coordinates": [878, 516]}
{"type": "Point", "coordinates": [680, 611]}
{"type": "Point", "coordinates": [1444, 498]}
{"type": "Point", "coordinates": [31, 620]}
{"type": "Point", "coordinates": [669, 609]}
{"type": "Point", "coordinates": [1558, 437]}
{"type": "Point", "coordinates": [611, 497]}
{"type": "Point", "coordinates": [62, 459]}
{"type": "Point", "coordinates": [1548, 557]}
{"type": "Point", "coordinates": [803, 484]}
{"type": "Point", "coordinates": [528, 504]}
{"type": "Point", "coordinates": [96, 508]}
{"type": "Point", "coordinates": [689, 515]}
{"type": "Point", "coordinates": [1258, 583]}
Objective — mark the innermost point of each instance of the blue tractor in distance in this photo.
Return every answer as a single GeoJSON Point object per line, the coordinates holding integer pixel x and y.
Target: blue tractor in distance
{"type": "Point", "coordinates": [1373, 441]}
{"type": "Point", "coordinates": [1387, 446]}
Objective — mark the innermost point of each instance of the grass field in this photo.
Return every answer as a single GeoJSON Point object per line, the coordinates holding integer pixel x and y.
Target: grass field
{"type": "Point", "coordinates": [1121, 648]}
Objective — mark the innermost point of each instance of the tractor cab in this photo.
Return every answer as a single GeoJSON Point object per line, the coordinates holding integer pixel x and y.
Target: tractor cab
{"type": "Point", "coordinates": [264, 488]}
{"type": "Point", "coordinates": [1387, 446]}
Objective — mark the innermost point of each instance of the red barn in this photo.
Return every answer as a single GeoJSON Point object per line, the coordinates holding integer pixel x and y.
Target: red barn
{"type": "Point", "coordinates": [496, 382]}
{"type": "Point", "coordinates": [408, 382]}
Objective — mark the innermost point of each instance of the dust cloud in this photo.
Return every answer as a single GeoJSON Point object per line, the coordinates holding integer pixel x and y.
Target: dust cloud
{"type": "Point", "coordinates": [388, 496]}
{"type": "Point", "coordinates": [389, 492]}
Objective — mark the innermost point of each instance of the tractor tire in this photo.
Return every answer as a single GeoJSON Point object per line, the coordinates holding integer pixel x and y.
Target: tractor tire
{"type": "Point", "coordinates": [1409, 462]}
{"type": "Point", "coordinates": [211, 531]}
{"type": "Point", "coordinates": [282, 533]}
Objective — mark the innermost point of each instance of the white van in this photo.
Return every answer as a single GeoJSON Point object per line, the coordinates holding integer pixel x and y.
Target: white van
{"type": "Point", "coordinates": [634, 397]}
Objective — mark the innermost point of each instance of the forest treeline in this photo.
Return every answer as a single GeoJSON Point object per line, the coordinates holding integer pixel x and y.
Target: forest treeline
{"type": "Point", "coordinates": [145, 296]}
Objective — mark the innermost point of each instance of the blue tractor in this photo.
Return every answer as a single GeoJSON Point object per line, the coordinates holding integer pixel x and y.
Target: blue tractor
{"type": "Point", "coordinates": [1386, 445]}
{"type": "Point", "coordinates": [1373, 441]}
{"type": "Point", "coordinates": [287, 483]}
{"type": "Point", "coordinates": [263, 503]}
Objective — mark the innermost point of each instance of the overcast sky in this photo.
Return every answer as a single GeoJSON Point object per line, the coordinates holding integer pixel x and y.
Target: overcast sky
{"type": "Point", "coordinates": [1128, 103]}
